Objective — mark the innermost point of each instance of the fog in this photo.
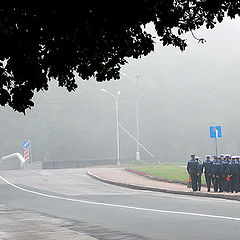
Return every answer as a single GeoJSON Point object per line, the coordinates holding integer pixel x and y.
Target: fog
{"type": "Point", "coordinates": [180, 95]}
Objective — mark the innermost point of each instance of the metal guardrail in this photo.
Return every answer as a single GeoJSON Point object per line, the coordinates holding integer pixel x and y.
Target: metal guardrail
{"type": "Point", "coordinates": [82, 163]}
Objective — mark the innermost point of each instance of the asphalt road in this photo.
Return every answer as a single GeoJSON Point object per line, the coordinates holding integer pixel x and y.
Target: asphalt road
{"type": "Point", "coordinates": [110, 212]}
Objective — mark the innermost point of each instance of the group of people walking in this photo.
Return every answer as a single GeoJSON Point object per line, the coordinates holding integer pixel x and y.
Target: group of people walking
{"type": "Point", "coordinates": [223, 172]}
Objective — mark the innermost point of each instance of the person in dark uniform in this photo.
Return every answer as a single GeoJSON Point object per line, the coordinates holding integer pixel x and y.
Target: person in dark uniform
{"type": "Point", "coordinates": [221, 156]}
{"type": "Point", "coordinates": [238, 161]}
{"type": "Point", "coordinates": [207, 166]}
{"type": "Point", "coordinates": [220, 173]}
{"type": "Point", "coordinates": [224, 172]}
{"type": "Point", "coordinates": [235, 175]}
{"type": "Point", "coordinates": [227, 172]}
{"type": "Point", "coordinates": [199, 174]}
{"type": "Point", "coordinates": [215, 174]}
{"type": "Point", "coordinates": [192, 166]}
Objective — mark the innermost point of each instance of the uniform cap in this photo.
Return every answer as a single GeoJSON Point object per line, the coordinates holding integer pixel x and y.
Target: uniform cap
{"type": "Point", "coordinates": [227, 155]}
{"type": "Point", "coordinates": [221, 155]}
{"type": "Point", "coordinates": [196, 157]}
{"type": "Point", "coordinates": [208, 156]}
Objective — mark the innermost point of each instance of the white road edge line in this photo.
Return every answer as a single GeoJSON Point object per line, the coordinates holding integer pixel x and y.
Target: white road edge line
{"type": "Point", "coordinates": [119, 206]}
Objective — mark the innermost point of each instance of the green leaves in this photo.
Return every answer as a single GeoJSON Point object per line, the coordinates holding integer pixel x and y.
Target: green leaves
{"type": "Point", "coordinates": [93, 39]}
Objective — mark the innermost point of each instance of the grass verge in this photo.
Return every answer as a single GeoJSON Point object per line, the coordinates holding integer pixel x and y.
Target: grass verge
{"type": "Point", "coordinates": [168, 171]}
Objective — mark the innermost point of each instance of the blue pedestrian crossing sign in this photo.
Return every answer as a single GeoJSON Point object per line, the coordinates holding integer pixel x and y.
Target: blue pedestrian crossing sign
{"type": "Point", "coordinates": [26, 144]}
{"type": "Point", "coordinates": [215, 131]}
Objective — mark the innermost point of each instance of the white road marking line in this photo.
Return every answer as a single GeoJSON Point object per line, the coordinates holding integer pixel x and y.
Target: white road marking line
{"type": "Point", "coordinates": [119, 206]}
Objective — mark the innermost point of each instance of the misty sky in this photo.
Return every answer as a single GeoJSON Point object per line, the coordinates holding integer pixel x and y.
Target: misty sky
{"type": "Point", "coordinates": [180, 95]}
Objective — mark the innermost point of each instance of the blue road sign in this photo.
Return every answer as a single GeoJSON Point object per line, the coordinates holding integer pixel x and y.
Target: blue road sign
{"type": "Point", "coordinates": [215, 131]}
{"type": "Point", "coordinates": [26, 144]}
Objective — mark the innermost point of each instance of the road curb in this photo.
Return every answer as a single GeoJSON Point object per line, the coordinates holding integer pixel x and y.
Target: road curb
{"type": "Point", "coordinates": [164, 190]}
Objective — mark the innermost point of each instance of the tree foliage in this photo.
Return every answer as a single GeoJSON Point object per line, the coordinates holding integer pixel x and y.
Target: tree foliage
{"type": "Point", "coordinates": [41, 42]}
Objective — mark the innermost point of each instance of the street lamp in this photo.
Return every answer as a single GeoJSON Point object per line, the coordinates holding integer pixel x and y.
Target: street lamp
{"type": "Point", "coordinates": [116, 107]}
{"type": "Point", "coordinates": [137, 118]}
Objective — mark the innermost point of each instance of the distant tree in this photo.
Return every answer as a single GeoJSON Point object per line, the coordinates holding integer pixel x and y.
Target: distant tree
{"type": "Point", "coordinates": [91, 38]}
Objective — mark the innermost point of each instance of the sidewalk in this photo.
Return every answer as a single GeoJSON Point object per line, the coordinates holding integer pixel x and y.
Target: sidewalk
{"type": "Point", "coordinates": [26, 225]}
{"type": "Point", "coordinates": [123, 178]}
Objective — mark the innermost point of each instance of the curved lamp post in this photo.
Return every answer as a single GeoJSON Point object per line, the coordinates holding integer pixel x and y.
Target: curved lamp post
{"type": "Point", "coordinates": [117, 122]}
{"type": "Point", "coordinates": [137, 115]}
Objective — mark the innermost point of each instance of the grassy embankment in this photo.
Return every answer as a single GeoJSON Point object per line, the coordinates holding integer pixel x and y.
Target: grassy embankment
{"type": "Point", "coordinates": [169, 171]}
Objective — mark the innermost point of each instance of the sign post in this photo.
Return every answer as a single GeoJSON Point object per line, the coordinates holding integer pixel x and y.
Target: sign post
{"type": "Point", "coordinates": [26, 146]}
{"type": "Point", "coordinates": [216, 132]}
{"type": "Point", "coordinates": [26, 154]}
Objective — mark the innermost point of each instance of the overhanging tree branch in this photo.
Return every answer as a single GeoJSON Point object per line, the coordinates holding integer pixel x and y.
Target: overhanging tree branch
{"type": "Point", "coordinates": [95, 39]}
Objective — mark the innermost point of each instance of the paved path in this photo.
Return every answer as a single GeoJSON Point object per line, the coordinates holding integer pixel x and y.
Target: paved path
{"type": "Point", "coordinates": [81, 208]}
{"type": "Point", "coordinates": [121, 177]}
